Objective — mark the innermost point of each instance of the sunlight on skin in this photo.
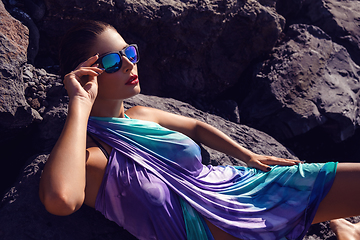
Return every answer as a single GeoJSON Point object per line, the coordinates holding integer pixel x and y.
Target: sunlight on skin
{"type": "Point", "coordinates": [345, 230]}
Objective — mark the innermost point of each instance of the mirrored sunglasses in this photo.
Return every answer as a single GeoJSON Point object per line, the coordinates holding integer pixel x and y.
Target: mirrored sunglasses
{"type": "Point", "coordinates": [112, 62]}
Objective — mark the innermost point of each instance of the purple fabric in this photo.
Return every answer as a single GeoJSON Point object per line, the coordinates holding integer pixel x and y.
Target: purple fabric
{"type": "Point", "coordinates": [137, 200]}
{"type": "Point", "coordinates": [159, 163]}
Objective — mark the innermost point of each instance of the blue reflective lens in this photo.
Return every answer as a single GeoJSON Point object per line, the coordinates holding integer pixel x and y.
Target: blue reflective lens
{"type": "Point", "coordinates": [111, 62]}
{"type": "Point", "coordinates": [130, 53]}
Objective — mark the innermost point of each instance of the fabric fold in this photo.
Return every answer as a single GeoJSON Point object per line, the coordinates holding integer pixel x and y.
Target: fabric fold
{"type": "Point", "coordinates": [245, 202]}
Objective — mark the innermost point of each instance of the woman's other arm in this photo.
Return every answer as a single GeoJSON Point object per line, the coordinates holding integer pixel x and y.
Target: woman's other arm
{"type": "Point", "coordinates": [209, 136]}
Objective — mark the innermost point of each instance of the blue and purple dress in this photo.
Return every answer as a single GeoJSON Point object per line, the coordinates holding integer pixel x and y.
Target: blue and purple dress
{"type": "Point", "coordinates": [156, 187]}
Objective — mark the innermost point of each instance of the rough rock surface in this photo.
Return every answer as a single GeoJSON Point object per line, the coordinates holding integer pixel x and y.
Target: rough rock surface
{"type": "Point", "coordinates": [308, 81]}
{"type": "Point", "coordinates": [295, 63]}
{"type": "Point", "coordinates": [339, 19]}
{"type": "Point", "coordinates": [184, 33]}
{"type": "Point", "coordinates": [15, 113]}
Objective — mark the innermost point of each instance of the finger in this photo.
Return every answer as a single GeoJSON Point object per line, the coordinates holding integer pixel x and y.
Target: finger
{"type": "Point", "coordinates": [89, 71]}
{"type": "Point", "coordinates": [89, 62]}
{"type": "Point", "coordinates": [259, 165]}
{"type": "Point", "coordinates": [282, 161]}
{"type": "Point", "coordinates": [82, 76]}
{"type": "Point", "coordinates": [84, 71]}
{"type": "Point", "coordinates": [293, 161]}
{"type": "Point", "coordinates": [264, 167]}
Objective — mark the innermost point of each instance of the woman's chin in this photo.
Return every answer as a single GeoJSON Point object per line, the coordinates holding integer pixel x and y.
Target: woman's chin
{"type": "Point", "coordinates": [137, 91]}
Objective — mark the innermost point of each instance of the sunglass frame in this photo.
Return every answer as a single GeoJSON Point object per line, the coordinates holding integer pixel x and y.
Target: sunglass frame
{"type": "Point", "coordinates": [121, 53]}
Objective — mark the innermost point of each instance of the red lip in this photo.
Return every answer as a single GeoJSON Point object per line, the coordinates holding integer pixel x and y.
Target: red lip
{"type": "Point", "coordinates": [133, 80]}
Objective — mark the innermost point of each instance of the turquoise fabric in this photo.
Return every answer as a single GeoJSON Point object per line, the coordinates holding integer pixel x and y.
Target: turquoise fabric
{"type": "Point", "coordinates": [196, 227]}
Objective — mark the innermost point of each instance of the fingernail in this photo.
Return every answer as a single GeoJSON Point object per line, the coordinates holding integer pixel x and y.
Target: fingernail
{"type": "Point", "coordinates": [103, 69]}
{"type": "Point", "coordinates": [97, 54]}
{"type": "Point", "coordinates": [268, 168]}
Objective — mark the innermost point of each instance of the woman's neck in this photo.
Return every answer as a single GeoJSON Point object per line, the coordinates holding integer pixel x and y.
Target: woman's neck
{"type": "Point", "coordinates": [108, 108]}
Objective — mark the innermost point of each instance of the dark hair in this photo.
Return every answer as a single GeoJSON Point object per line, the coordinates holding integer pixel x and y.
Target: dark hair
{"type": "Point", "coordinates": [76, 43]}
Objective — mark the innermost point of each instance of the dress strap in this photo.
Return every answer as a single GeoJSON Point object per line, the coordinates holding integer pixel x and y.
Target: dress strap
{"type": "Point", "coordinates": [99, 146]}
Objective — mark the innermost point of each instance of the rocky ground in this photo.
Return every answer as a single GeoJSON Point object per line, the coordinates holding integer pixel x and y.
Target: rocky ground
{"type": "Point", "coordinates": [281, 77]}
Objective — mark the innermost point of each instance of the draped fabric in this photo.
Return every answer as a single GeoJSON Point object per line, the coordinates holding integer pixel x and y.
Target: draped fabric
{"type": "Point", "coordinates": [245, 202]}
{"type": "Point", "coordinates": [196, 227]}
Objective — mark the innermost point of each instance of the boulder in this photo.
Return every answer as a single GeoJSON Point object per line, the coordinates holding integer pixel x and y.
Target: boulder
{"type": "Point", "coordinates": [339, 19]}
{"type": "Point", "coordinates": [46, 95]}
{"type": "Point", "coordinates": [175, 38]}
{"type": "Point", "coordinates": [15, 113]}
{"type": "Point", "coordinates": [307, 81]}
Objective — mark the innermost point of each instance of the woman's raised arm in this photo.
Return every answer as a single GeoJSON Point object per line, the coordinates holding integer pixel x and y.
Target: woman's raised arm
{"type": "Point", "coordinates": [62, 183]}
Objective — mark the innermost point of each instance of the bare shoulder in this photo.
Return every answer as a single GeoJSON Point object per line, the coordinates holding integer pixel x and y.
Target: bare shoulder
{"type": "Point", "coordinates": [169, 120]}
{"type": "Point", "coordinates": [145, 113]}
{"type": "Point", "coordinates": [139, 112]}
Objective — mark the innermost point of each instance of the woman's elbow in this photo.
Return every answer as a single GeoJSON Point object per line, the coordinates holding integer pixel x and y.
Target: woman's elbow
{"type": "Point", "coordinates": [60, 204]}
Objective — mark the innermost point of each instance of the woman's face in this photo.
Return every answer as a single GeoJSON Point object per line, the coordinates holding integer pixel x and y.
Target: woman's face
{"type": "Point", "coordinates": [123, 83]}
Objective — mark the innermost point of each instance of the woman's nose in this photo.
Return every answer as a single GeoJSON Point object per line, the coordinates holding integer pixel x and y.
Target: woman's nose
{"type": "Point", "coordinates": [127, 65]}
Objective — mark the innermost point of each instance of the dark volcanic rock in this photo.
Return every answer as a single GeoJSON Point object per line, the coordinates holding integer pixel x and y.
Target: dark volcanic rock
{"type": "Point", "coordinates": [191, 50]}
{"type": "Point", "coordinates": [46, 94]}
{"type": "Point", "coordinates": [307, 81]}
{"type": "Point", "coordinates": [15, 113]}
{"type": "Point", "coordinates": [339, 19]}
{"type": "Point", "coordinates": [176, 37]}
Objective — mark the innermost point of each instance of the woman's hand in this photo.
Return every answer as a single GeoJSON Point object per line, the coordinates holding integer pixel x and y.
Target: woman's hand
{"type": "Point", "coordinates": [82, 82]}
{"type": "Point", "coordinates": [263, 162]}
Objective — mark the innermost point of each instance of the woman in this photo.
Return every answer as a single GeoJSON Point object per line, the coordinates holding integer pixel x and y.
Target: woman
{"type": "Point", "coordinates": [119, 161]}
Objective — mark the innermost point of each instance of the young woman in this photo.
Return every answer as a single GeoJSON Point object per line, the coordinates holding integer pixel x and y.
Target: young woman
{"type": "Point", "coordinates": [142, 169]}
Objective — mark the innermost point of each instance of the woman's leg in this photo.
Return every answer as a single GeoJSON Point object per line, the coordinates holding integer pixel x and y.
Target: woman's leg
{"type": "Point", "coordinates": [343, 199]}
{"type": "Point", "coordinates": [345, 230]}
